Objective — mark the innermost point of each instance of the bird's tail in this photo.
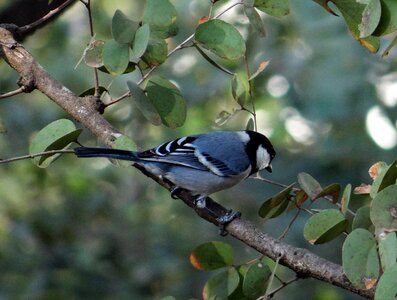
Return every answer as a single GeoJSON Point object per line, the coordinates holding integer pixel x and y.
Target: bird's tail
{"type": "Point", "coordinates": [105, 152]}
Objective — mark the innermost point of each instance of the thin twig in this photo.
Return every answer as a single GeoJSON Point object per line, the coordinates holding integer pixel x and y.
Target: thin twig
{"type": "Point", "coordinates": [247, 69]}
{"type": "Point", "coordinates": [290, 224]}
{"type": "Point", "coordinates": [96, 76]}
{"type": "Point", "coordinates": [29, 156]}
{"type": "Point", "coordinates": [48, 16]}
{"type": "Point", "coordinates": [283, 285]}
{"type": "Point", "coordinates": [12, 93]}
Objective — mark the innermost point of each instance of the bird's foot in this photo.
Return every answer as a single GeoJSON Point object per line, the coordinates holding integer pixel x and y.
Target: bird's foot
{"type": "Point", "coordinates": [200, 201]}
{"type": "Point", "coordinates": [174, 191]}
{"type": "Point", "coordinates": [229, 216]}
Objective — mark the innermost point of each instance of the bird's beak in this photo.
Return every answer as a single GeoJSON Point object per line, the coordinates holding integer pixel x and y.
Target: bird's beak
{"type": "Point", "coordinates": [269, 168]}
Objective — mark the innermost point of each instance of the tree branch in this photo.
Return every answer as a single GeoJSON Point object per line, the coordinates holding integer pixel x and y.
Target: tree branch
{"type": "Point", "coordinates": [86, 110]}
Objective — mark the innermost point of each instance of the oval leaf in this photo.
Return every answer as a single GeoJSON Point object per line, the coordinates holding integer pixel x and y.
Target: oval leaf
{"type": "Point", "coordinates": [387, 287]}
{"type": "Point", "coordinates": [144, 104]}
{"type": "Point", "coordinates": [277, 8]}
{"type": "Point", "coordinates": [309, 185]}
{"type": "Point", "coordinates": [276, 205]}
{"type": "Point", "coordinates": [222, 285]}
{"type": "Point", "coordinates": [212, 255]}
{"type": "Point", "coordinates": [346, 198]}
{"type": "Point", "coordinates": [141, 41]}
{"type": "Point", "coordinates": [93, 54]}
{"type": "Point", "coordinates": [362, 219]}
{"type": "Point", "coordinates": [255, 20]}
{"type": "Point", "coordinates": [359, 257]}
{"type": "Point", "coordinates": [332, 192]}
{"type": "Point", "coordinates": [123, 29]}
{"type": "Point", "coordinates": [115, 57]}
{"type": "Point", "coordinates": [254, 284]}
{"type": "Point", "coordinates": [156, 52]}
{"type": "Point", "coordinates": [370, 18]}
{"type": "Point", "coordinates": [55, 136]}
{"type": "Point", "coordinates": [324, 226]}
{"type": "Point", "coordinates": [384, 209]}
{"type": "Point", "coordinates": [161, 16]}
{"type": "Point", "coordinates": [221, 38]}
{"type": "Point", "coordinates": [123, 142]}
{"type": "Point", "coordinates": [240, 89]}
{"type": "Point", "coordinates": [167, 100]}
{"type": "Point", "coordinates": [388, 250]}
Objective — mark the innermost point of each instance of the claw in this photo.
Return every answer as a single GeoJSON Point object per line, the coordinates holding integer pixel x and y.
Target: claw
{"type": "Point", "coordinates": [225, 219]}
{"type": "Point", "coordinates": [174, 191]}
{"type": "Point", "coordinates": [200, 201]}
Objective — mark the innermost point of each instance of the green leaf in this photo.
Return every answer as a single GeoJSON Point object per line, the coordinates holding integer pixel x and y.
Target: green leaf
{"type": "Point", "coordinates": [387, 287]}
{"type": "Point", "coordinates": [156, 52]}
{"type": "Point", "coordinates": [384, 209]}
{"type": "Point", "coordinates": [93, 54]}
{"type": "Point", "coordinates": [123, 142]}
{"type": "Point", "coordinates": [211, 61]}
{"type": "Point", "coordinates": [274, 206]}
{"type": "Point", "coordinates": [55, 136]}
{"type": "Point", "coordinates": [255, 20]}
{"type": "Point", "coordinates": [387, 250]}
{"type": "Point", "coordinates": [324, 226]}
{"type": "Point", "coordinates": [370, 18]}
{"type": "Point", "coordinates": [168, 298]}
{"type": "Point", "coordinates": [141, 41]}
{"type": "Point", "coordinates": [123, 28]}
{"type": "Point", "coordinates": [91, 91]}
{"type": "Point", "coordinates": [167, 100]}
{"type": "Point", "coordinates": [211, 256]}
{"type": "Point", "coordinates": [240, 89]}
{"type": "Point", "coordinates": [221, 38]}
{"type": "Point", "coordinates": [144, 104]}
{"type": "Point", "coordinates": [309, 185]}
{"type": "Point", "coordinates": [346, 198]}
{"type": "Point", "coordinates": [115, 57]}
{"type": "Point", "coordinates": [254, 284]}
{"type": "Point", "coordinates": [276, 8]}
{"type": "Point", "coordinates": [362, 219]}
{"type": "Point", "coordinates": [222, 285]}
{"type": "Point", "coordinates": [332, 190]}
{"type": "Point", "coordinates": [360, 259]}
{"type": "Point", "coordinates": [388, 20]}
{"type": "Point", "coordinates": [352, 13]}
{"type": "Point", "coordinates": [161, 16]}
{"type": "Point", "coordinates": [130, 68]}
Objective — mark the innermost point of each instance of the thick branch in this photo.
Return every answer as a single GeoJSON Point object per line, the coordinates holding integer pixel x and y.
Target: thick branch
{"type": "Point", "coordinates": [85, 111]}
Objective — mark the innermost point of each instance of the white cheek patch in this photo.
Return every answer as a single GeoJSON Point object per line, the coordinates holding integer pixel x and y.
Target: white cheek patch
{"type": "Point", "coordinates": [262, 158]}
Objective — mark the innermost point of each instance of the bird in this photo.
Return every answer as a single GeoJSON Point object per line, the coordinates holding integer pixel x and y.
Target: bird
{"type": "Point", "coordinates": [201, 164]}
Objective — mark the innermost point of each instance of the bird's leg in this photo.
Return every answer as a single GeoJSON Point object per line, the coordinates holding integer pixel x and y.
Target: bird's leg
{"type": "Point", "coordinates": [174, 191]}
{"type": "Point", "coordinates": [229, 216]}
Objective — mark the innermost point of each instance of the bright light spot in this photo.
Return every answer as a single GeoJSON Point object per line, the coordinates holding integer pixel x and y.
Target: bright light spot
{"type": "Point", "coordinates": [277, 86]}
{"type": "Point", "coordinates": [380, 128]}
{"type": "Point", "coordinates": [183, 64]}
{"type": "Point", "coordinates": [298, 127]}
{"type": "Point", "coordinates": [387, 89]}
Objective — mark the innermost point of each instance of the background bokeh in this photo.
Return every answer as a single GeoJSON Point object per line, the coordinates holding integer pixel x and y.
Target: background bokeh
{"type": "Point", "coordinates": [88, 229]}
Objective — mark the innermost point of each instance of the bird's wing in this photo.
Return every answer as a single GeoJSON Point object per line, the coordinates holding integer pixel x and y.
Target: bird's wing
{"type": "Point", "coordinates": [184, 152]}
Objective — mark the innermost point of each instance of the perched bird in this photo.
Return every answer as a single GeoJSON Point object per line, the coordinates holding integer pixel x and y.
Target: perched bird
{"type": "Point", "coordinates": [202, 164]}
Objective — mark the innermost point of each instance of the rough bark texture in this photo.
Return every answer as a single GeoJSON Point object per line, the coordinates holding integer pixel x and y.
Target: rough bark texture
{"type": "Point", "coordinates": [86, 110]}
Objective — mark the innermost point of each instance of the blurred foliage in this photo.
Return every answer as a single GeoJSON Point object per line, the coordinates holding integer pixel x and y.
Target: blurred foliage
{"type": "Point", "coordinates": [88, 229]}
